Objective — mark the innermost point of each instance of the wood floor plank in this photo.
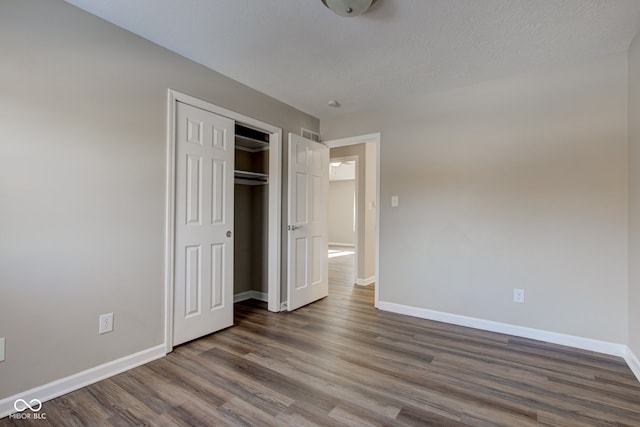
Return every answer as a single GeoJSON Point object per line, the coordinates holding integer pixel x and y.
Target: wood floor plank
{"type": "Point", "coordinates": [414, 416]}
{"type": "Point", "coordinates": [302, 413]}
{"type": "Point", "coordinates": [200, 388]}
{"type": "Point", "coordinates": [233, 385]}
{"type": "Point", "coordinates": [332, 385]}
{"type": "Point", "coordinates": [356, 417]}
{"type": "Point", "coordinates": [78, 408]}
{"type": "Point", "coordinates": [239, 412]}
{"type": "Point", "coordinates": [124, 407]}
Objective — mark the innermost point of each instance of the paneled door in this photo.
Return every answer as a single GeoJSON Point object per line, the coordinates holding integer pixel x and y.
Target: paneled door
{"type": "Point", "coordinates": [307, 230]}
{"type": "Point", "coordinates": [203, 255]}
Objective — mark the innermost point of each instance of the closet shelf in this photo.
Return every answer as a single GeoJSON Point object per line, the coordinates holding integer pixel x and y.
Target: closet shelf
{"type": "Point", "coordinates": [251, 144]}
{"type": "Point", "coordinates": [251, 178]}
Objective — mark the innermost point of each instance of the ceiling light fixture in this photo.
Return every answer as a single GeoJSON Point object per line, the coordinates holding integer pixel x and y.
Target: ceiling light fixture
{"type": "Point", "coordinates": [348, 8]}
{"type": "Point", "coordinates": [333, 103]}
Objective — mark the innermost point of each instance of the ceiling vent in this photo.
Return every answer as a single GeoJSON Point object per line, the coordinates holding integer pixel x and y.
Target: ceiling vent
{"type": "Point", "coordinates": [309, 134]}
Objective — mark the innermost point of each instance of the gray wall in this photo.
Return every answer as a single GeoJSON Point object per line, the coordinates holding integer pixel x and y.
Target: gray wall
{"type": "Point", "coordinates": [519, 182]}
{"type": "Point", "coordinates": [634, 196]}
{"type": "Point", "coordinates": [82, 185]}
{"type": "Point", "coordinates": [341, 212]}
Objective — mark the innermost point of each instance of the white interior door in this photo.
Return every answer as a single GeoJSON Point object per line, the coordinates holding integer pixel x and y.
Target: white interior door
{"type": "Point", "coordinates": [308, 233]}
{"type": "Point", "coordinates": [203, 281]}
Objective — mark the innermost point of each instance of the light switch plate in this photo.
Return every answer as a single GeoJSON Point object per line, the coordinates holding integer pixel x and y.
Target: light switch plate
{"type": "Point", "coordinates": [394, 201]}
{"type": "Point", "coordinates": [2, 349]}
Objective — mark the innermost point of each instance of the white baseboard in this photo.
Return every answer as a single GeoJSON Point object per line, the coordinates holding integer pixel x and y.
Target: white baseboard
{"type": "Point", "coordinates": [633, 362]}
{"type": "Point", "coordinates": [243, 296]}
{"type": "Point", "coordinates": [82, 379]}
{"type": "Point", "coordinates": [365, 282]}
{"type": "Point", "coordinates": [347, 245]}
{"type": "Point", "coordinates": [604, 347]}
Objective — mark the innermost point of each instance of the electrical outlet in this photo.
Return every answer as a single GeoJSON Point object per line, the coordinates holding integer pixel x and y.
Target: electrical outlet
{"type": "Point", "coordinates": [2, 349]}
{"type": "Point", "coordinates": [106, 323]}
{"type": "Point", "coordinates": [518, 295]}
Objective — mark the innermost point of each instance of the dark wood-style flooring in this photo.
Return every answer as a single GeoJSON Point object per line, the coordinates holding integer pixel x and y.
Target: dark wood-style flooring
{"type": "Point", "coordinates": [341, 362]}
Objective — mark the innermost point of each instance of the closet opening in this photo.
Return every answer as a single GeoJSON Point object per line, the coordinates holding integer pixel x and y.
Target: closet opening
{"type": "Point", "coordinates": [251, 214]}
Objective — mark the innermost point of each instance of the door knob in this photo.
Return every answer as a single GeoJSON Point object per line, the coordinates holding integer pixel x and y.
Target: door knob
{"type": "Point", "coordinates": [228, 234]}
{"type": "Point", "coordinates": [294, 227]}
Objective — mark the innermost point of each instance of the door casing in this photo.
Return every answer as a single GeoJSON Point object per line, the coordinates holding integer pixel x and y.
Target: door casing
{"type": "Point", "coordinates": [275, 191]}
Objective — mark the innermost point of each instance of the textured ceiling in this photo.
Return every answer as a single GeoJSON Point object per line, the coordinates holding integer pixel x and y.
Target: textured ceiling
{"type": "Point", "coordinates": [301, 53]}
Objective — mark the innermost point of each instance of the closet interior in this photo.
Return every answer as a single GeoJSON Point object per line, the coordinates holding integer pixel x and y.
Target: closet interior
{"type": "Point", "coordinates": [251, 214]}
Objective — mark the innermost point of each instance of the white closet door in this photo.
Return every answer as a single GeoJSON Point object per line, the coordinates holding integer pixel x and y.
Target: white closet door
{"type": "Point", "coordinates": [308, 233]}
{"type": "Point", "coordinates": [203, 282]}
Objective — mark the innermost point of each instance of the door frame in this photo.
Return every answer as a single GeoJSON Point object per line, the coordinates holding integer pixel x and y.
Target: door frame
{"type": "Point", "coordinates": [275, 171]}
{"type": "Point", "coordinates": [361, 139]}
{"type": "Point", "coordinates": [355, 159]}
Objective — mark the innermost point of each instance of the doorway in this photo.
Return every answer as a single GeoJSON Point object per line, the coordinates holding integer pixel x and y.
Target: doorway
{"type": "Point", "coordinates": [366, 151]}
{"type": "Point", "coordinates": [343, 218]}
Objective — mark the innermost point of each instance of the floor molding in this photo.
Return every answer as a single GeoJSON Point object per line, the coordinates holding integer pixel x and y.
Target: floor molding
{"type": "Point", "coordinates": [82, 379]}
{"type": "Point", "coordinates": [604, 347]}
{"type": "Point", "coordinates": [243, 296]}
{"type": "Point", "coordinates": [633, 362]}
{"type": "Point", "coordinates": [365, 282]}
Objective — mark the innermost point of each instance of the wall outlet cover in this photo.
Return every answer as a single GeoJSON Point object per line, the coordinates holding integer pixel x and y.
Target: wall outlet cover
{"type": "Point", "coordinates": [106, 323]}
{"type": "Point", "coordinates": [518, 296]}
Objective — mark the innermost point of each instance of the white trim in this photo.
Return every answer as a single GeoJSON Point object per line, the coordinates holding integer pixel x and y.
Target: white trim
{"type": "Point", "coordinates": [82, 379]}
{"type": "Point", "coordinates": [375, 138]}
{"type": "Point", "coordinates": [275, 172]}
{"type": "Point", "coordinates": [633, 362]}
{"type": "Point", "coordinates": [170, 221]}
{"type": "Point", "coordinates": [365, 282]}
{"type": "Point", "coordinates": [505, 328]}
{"type": "Point", "coordinates": [346, 245]}
{"type": "Point", "coordinates": [243, 296]}
{"type": "Point", "coordinates": [353, 140]}
{"type": "Point", "coordinates": [275, 225]}
{"type": "Point", "coordinates": [376, 297]}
